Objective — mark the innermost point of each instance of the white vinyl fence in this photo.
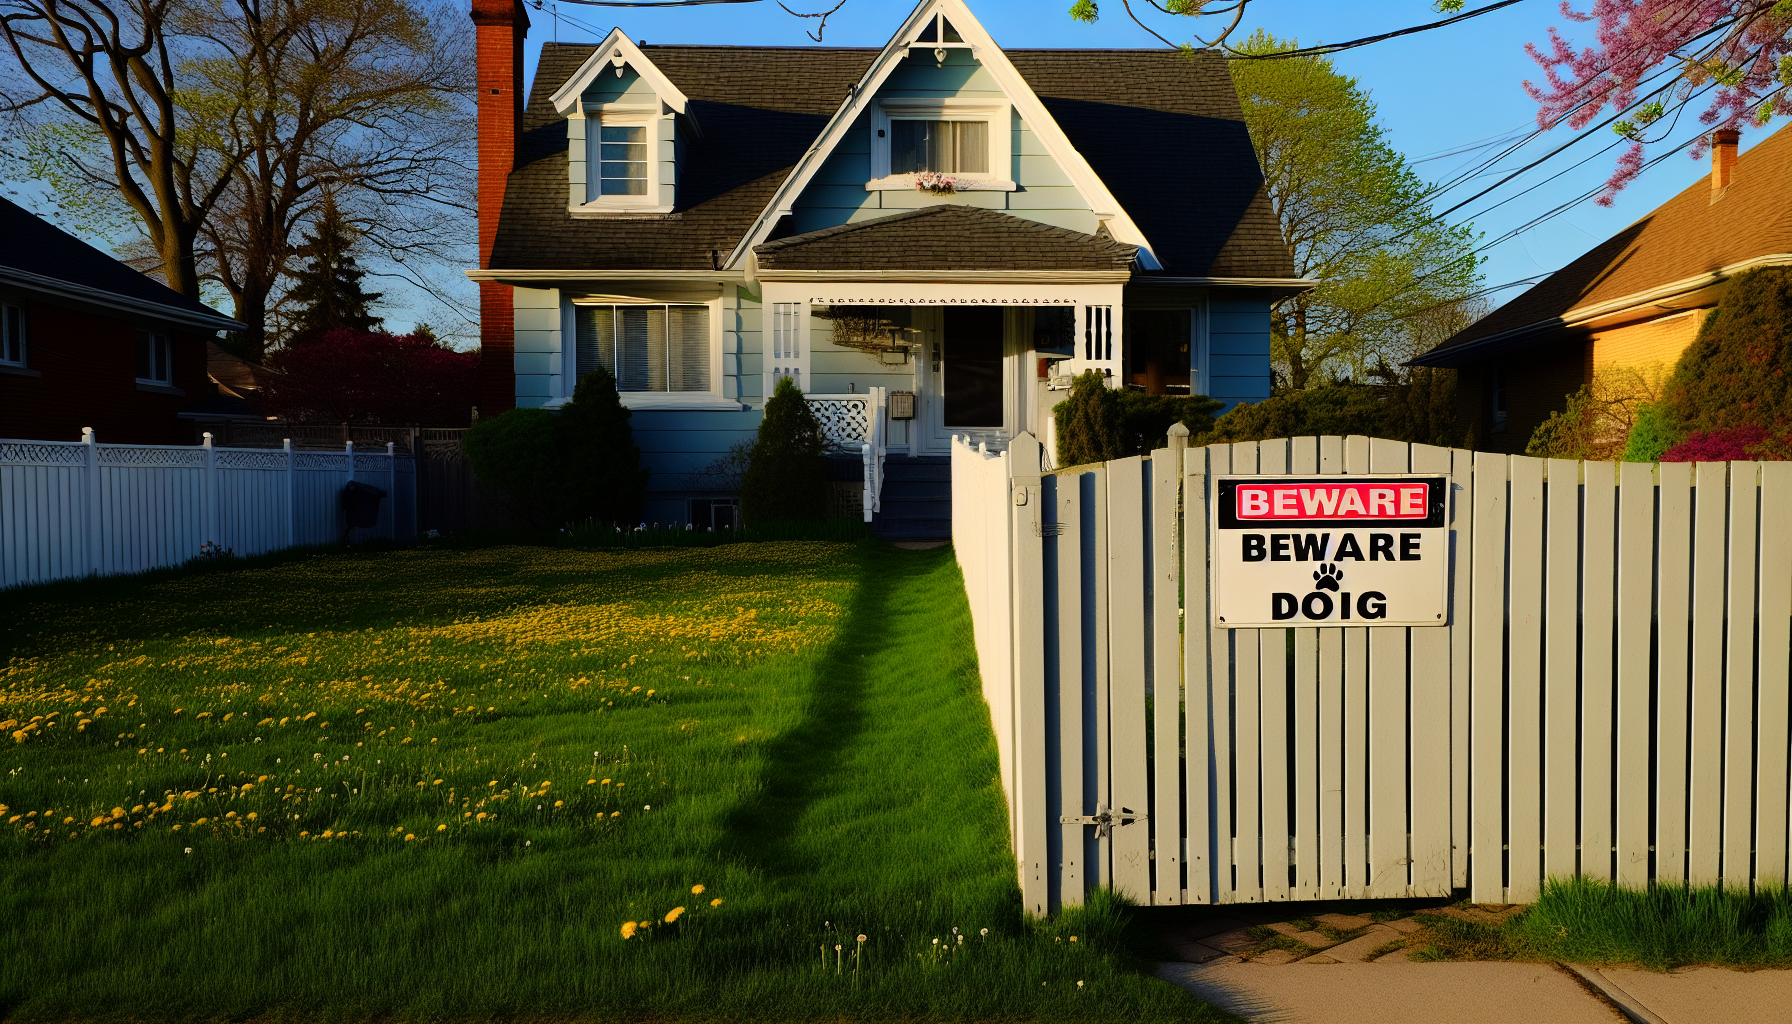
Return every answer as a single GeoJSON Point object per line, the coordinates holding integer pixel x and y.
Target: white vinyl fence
{"type": "Point", "coordinates": [1609, 699]}
{"type": "Point", "coordinates": [83, 508]}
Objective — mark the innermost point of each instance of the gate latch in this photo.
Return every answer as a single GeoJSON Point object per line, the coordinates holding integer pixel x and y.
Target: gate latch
{"type": "Point", "coordinates": [1104, 819]}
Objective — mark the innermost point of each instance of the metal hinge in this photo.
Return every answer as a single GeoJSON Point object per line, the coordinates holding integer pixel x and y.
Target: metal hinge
{"type": "Point", "coordinates": [1104, 819]}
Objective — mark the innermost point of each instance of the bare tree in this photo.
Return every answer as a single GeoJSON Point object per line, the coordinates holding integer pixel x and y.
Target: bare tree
{"type": "Point", "coordinates": [265, 105]}
{"type": "Point", "coordinates": [104, 80]}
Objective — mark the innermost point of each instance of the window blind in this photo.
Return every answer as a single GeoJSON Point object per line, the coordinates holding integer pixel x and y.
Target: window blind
{"type": "Point", "coordinates": [646, 348]}
{"type": "Point", "coordinates": [949, 147]}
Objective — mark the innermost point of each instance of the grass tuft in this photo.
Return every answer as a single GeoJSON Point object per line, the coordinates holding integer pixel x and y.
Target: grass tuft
{"type": "Point", "coordinates": [1664, 927]}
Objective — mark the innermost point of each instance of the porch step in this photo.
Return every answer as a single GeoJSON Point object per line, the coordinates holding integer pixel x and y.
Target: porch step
{"type": "Point", "coordinates": [917, 498]}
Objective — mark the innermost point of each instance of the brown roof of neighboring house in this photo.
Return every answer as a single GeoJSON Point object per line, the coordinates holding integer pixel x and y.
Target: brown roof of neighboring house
{"type": "Point", "coordinates": [1684, 238]}
{"type": "Point", "coordinates": [946, 238]}
{"type": "Point", "coordinates": [1164, 130]}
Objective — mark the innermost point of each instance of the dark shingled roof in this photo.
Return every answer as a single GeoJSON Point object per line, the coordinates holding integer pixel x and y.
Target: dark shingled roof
{"type": "Point", "coordinates": [946, 238]}
{"type": "Point", "coordinates": [1162, 129]}
{"type": "Point", "coordinates": [1682, 238]}
{"type": "Point", "coordinates": [35, 246]}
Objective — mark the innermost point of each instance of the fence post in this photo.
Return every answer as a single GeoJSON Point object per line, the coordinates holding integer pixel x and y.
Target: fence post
{"type": "Point", "coordinates": [92, 480]}
{"type": "Point", "coordinates": [349, 447]}
{"type": "Point", "coordinates": [292, 495]}
{"type": "Point", "coordinates": [866, 490]}
{"type": "Point", "coordinates": [392, 485]}
{"type": "Point", "coordinates": [208, 492]}
{"type": "Point", "coordinates": [1027, 678]}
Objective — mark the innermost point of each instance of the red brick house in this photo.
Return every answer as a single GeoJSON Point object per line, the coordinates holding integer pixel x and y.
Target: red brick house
{"type": "Point", "coordinates": [86, 341]}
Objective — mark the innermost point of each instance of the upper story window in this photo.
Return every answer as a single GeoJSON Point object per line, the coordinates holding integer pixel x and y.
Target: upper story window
{"type": "Point", "coordinates": [155, 358]}
{"type": "Point", "coordinates": [621, 160]}
{"type": "Point", "coordinates": [970, 139]}
{"type": "Point", "coordinates": [948, 147]}
{"type": "Point", "coordinates": [12, 335]}
{"type": "Point", "coordinates": [664, 348]}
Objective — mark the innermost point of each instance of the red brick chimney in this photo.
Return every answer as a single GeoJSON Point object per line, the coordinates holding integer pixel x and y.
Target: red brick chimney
{"type": "Point", "coordinates": [1723, 158]}
{"type": "Point", "coordinates": [501, 26]}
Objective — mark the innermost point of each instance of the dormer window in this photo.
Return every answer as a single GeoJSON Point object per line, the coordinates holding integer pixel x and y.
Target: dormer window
{"type": "Point", "coordinates": [626, 128]}
{"type": "Point", "coordinates": [621, 160]}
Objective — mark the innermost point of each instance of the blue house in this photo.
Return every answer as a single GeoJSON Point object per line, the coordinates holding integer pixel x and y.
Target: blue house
{"type": "Point", "coordinates": [929, 238]}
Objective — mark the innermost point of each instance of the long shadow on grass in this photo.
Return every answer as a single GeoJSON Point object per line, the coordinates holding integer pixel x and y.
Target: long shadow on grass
{"type": "Point", "coordinates": [801, 765]}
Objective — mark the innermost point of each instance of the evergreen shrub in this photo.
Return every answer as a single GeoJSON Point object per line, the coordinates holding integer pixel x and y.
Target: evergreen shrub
{"type": "Point", "coordinates": [1097, 423]}
{"type": "Point", "coordinates": [1738, 371]}
{"type": "Point", "coordinates": [787, 478]}
{"type": "Point", "coordinates": [580, 465]}
{"type": "Point", "coordinates": [1417, 407]}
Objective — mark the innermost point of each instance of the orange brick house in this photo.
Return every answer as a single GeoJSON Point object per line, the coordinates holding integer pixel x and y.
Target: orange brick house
{"type": "Point", "coordinates": [1635, 300]}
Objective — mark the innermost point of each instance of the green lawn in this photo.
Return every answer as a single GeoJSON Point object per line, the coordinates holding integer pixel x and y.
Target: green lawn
{"type": "Point", "coordinates": [436, 784]}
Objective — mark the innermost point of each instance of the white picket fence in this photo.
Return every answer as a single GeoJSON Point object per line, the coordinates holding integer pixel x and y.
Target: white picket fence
{"type": "Point", "coordinates": [1609, 699]}
{"type": "Point", "coordinates": [83, 508]}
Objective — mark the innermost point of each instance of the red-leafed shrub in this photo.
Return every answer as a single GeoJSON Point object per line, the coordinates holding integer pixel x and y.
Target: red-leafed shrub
{"type": "Point", "coordinates": [357, 377]}
{"type": "Point", "coordinates": [1731, 444]}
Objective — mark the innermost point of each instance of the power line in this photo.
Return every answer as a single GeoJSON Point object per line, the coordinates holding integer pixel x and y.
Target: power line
{"type": "Point", "coordinates": [1325, 48]}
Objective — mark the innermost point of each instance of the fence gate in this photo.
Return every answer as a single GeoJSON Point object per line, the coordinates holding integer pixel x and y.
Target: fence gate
{"type": "Point", "coordinates": [1608, 698]}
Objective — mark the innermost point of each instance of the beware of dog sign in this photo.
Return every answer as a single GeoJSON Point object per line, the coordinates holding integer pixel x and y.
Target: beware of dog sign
{"type": "Point", "coordinates": [1356, 550]}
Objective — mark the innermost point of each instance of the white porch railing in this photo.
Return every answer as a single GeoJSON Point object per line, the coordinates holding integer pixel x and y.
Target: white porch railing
{"type": "Point", "coordinates": [859, 423]}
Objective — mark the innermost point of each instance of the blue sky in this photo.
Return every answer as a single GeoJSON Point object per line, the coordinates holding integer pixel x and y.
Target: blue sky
{"type": "Point", "coordinates": [1437, 92]}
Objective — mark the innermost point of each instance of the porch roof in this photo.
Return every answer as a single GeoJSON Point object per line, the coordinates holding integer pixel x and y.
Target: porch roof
{"type": "Point", "coordinates": [946, 238]}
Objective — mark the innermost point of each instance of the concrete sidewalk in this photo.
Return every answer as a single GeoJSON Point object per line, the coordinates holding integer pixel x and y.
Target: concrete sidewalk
{"type": "Point", "coordinates": [1487, 992]}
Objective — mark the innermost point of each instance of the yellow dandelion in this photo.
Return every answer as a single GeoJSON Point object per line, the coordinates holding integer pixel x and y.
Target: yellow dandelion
{"type": "Point", "coordinates": [696, 890]}
{"type": "Point", "coordinates": [480, 816]}
{"type": "Point", "coordinates": [615, 814]}
{"type": "Point", "coordinates": [674, 914]}
{"type": "Point", "coordinates": [1073, 938]}
{"type": "Point", "coordinates": [438, 782]}
{"type": "Point", "coordinates": [408, 837]}
{"type": "Point", "coordinates": [590, 782]}
{"type": "Point", "coordinates": [441, 828]}
{"type": "Point", "coordinates": [716, 902]}
{"type": "Point", "coordinates": [201, 821]}
{"type": "Point", "coordinates": [559, 803]}
{"type": "Point", "coordinates": [628, 929]}
{"type": "Point", "coordinates": [606, 782]}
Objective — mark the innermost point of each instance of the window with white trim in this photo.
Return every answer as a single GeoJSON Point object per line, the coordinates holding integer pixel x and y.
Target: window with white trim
{"type": "Point", "coordinates": [12, 335]}
{"type": "Point", "coordinates": [946, 147]}
{"type": "Point", "coordinates": [970, 139]}
{"type": "Point", "coordinates": [620, 155]}
{"type": "Point", "coordinates": [787, 342]}
{"type": "Point", "coordinates": [652, 348]}
{"type": "Point", "coordinates": [155, 358]}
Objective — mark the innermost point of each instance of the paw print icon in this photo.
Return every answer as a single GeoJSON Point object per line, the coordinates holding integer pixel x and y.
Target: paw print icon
{"type": "Point", "coordinates": [1326, 577]}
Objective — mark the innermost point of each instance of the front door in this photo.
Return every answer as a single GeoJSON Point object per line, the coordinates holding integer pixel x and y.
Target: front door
{"type": "Point", "coordinates": [963, 390]}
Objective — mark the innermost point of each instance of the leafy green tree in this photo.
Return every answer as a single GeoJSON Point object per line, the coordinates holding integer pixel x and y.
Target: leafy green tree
{"type": "Point", "coordinates": [1353, 215]}
{"type": "Point", "coordinates": [787, 479]}
{"type": "Point", "coordinates": [327, 289]}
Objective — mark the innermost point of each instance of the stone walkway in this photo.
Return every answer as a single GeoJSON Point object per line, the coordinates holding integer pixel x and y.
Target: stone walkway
{"type": "Point", "coordinates": [1343, 964]}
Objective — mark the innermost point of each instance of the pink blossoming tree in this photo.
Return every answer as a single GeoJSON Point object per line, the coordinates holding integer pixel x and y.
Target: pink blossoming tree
{"type": "Point", "coordinates": [1653, 58]}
